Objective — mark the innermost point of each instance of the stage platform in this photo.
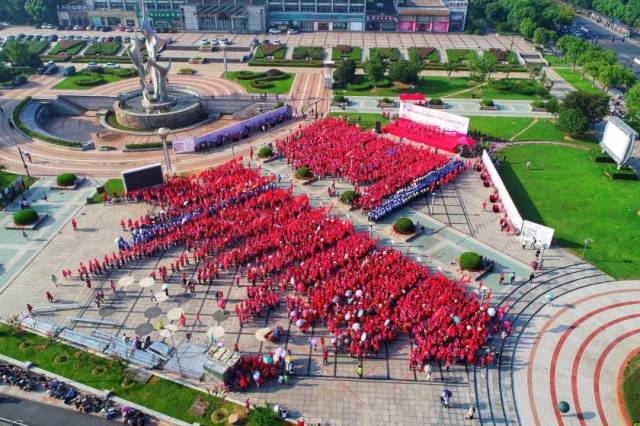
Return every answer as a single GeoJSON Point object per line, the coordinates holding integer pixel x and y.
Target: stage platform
{"type": "Point", "coordinates": [428, 135]}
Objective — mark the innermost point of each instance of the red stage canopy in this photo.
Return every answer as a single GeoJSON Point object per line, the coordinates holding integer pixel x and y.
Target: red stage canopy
{"type": "Point", "coordinates": [412, 97]}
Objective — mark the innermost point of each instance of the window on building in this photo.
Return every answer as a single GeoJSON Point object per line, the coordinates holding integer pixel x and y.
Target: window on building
{"type": "Point", "coordinates": [101, 5]}
{"type": "Point", "coordinates": [340, 26]}
{"type": "Point", "coordinates": [324, 8]}
{"type": "Point", "coordinates": [308, 7]}
{"type": "Point", "coordinates": [340, 8]}
{"type": "Point", "coordinates": [356, 9]}
{"type": "Point", "coordinates": [306, 25]}
{"type": "Point", "coordinates": [164, 6]}
{"type": "Point", "coordinates": [291, 7]}
{"type": "Point", "coordinates": [130, 6]}
{"type": "Point", "coordinates": [275, 7]}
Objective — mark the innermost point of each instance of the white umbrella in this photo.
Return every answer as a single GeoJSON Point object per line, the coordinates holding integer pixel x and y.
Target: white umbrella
{"type": "Point", "coordinates": [261, 333]}
{"type": "Point", "coordinates": [175, 313]}
{"type": "Point", "coordinates": [147, 282]}
{"type": "Point", "coordinates": [215, 332]}
{"type": "Point", "coordinates": [126, 281]}
{"type": "Point", "coordinates": [171, 327]}
{"type": "Point", "coordinates": [161, 296]}
{"type": "Point", "coordinates": [165, 332]}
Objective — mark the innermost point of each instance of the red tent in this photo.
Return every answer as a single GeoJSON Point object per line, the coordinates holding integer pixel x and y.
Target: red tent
{"type": "Point", "coordinates": [412, 97]}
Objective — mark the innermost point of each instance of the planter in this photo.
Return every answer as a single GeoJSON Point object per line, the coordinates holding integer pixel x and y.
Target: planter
{"type": "Point", "coordinates": [489, 108]}
{"type": "Point", "coordinates": [442, 106]}
{"type": "Point", "coordinates": [79, 182]}
{"type": "Point", "coordinates": [30, 227]}
{"type": "Point", "coordinates": [406, 238]}
{"type": "Point", "coordinates": [538, 109]}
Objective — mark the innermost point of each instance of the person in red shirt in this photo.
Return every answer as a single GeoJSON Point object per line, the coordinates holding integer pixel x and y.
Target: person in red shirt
{"type": "Point", "coordinates": [74, 224]}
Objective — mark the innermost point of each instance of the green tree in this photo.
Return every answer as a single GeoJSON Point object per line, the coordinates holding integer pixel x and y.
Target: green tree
{"type": "Point", "coordinates": [534, 70]}
{"type": "Point", "coordinates": [632, 100]}
{"type": "Point", "coordinates": [451, 67]}
{"type": "Point", "coordinates": [18, 54]}
{"type": "Point", "coordinates": [482, 67]}
{"type": "Point", "coordinates": [552, 106]}
{"type": "Point", "coordinates": [405, 71]}
{"type": "Point", "coordinates": [37, 9]}
{"type": "Point", "coordinates": [345, 71]}
{"type": "Point", "coordinates": [616, 75]}
{"type": "Point", "coordinates": [374, 67]}
{"type": "Point", "coordinates": [592, 106]}
{"type": "Point", "coordinates": [527, 28]}
{"type": "Point", "coordinates": [541, 36]}
{"type": "Point", "coordinates": [572, 121]}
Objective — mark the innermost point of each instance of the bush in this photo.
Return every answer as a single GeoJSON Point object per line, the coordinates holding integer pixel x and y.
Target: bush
{"type": "Point", "coordinates": [304, 173]}
{"type": "Point", "coordinates": [470, 261]}
{"type": "Point", "coordinates": [436, 101]}
{"type": "Point", "coordinates": [538, 104]}
{"type": "Point", "coordinates": [66, 179]}
{"type": "Point", "coordinates": [147, 145]}
{"type": "Point", "coordinates": [264, 416]}
{"type": "Point", "coordinates": [389, 53]}
{"type": "Point", "coordinates": [303, 52]}
{"type": "Point", "coordinates": [25, 217]}
{"type": "Point", "coordinates": [258, 84]}
{"type": "Point", "coordinates": [265, 152]}
{"type": "Point", "coordinates": [404, 226]}
{"type": "Point", "coordinates": [348, 197]}
{"type": "Point", "coordinates": [386, 100]}
{"type": "Point", "coordinates": [359, 86]}
{"type": "Point", "coordinates": [121, 72]}
{"type": "Point", "coordinates": [103, 49]}
{"type": "Point", "coordinates": [273, 71]}
{"type": "Point", "coordinates": [89, 80]}
{"type": "Point", "coordinates": [487, 103]}
{"type": "Point", "coordinates": [339, 99]}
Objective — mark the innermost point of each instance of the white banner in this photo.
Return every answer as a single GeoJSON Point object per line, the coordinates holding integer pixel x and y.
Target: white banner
{"type": "Point", "coordinates": [508, 204]}
{"type": "Point", "coordinates": [536, 233]}
{"type": "Point", "coordinates": [184, 145]}
{"type": "Point", "coordinates": [434, 117]}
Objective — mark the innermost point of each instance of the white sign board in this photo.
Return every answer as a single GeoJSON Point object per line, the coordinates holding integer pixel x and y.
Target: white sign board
{"type": "Point", "coordinates": [534, 232]}
{"type": "Point", "coordinates": [618, 140]}
{"type": "Point", "coordinates": [434, 117]}
{"type": "Point", "coordinates": [508, 204]}
{"type": "Point", "coordinates": [184, 145]}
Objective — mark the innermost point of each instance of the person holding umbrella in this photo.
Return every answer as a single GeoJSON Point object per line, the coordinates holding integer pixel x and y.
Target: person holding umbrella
{"type": "Point", "coordinates": [445, 396]}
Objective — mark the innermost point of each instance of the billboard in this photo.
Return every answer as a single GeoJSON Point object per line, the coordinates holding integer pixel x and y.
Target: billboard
{"type": "Point", "coordinates": [434, 117]}
{"type": "Point", "coordinates": [142, 177]}
{"type": "Point", "coordinates": [618, 140]}
{"type": "Point", "coordinates": [184, 145]}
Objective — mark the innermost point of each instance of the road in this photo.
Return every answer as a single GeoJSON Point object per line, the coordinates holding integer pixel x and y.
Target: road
{"type": "Point", "coordinates": [36, 414]}
{"type": "Point", "coordinates": [626, 51]}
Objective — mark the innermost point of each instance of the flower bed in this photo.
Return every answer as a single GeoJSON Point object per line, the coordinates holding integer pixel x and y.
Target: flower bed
{"type": "Point", "coordinates": [304, 52]}
{"type": "Point", "coordinates": [391, 54]}
{"type": "Point", "coordinates": [460, 55]}
{"type": "Point", "coordinates": [102, 49]}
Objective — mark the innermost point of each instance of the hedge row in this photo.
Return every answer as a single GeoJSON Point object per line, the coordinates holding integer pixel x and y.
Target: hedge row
{"type": "Point", "coordinates": [103, 49]}
{"type": "Point", "coordinates": [285, 63]}
{"type": "Point", "coordinates": [147, 145]}
{"type": "Point", "coordinates": [302, 52]}
{"type": "Point", "coordinates": [18, 122]}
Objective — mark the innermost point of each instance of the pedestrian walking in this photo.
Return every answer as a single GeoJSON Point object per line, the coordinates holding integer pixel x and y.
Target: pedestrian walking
{"type": "Point", "coordinates": [549, 297]}
{"type": "Point", "coordinates": [153, 296]}
{"type": "Point", "coordinates": [325, 356]}
{"type": "Point", "coordinates": [10, 123]}
{"type": "Point", "coordinates": [49, 297]}
{"type": "Point", "coordinates": [165, 288]}
{"type": "Point", "coordinates": [513, 277]}
{"type": "Point", "coordinates": [97, 301]}
{"type": "Point", "coordinates": [113, 288]}
{"type": "Point", "coordinates": [501, 278]}
{"type": "Point", "coordinates": [28, 155]}
{"type": "Point", "coordinates": [1, 111]}
{"type": "Point", "coordinates": [74, 224]}
{"type": "Point", "coordinates": [427, 370]}
{"type": "Point", "coordinates": [531, 277]}
{"type": "Point", "coordinates": [24, 235]}
{"type": "Point", "coordinates": [471, 413]}
{"type": "Point", "coordinates": [29, 309]}
{"type": "Point", "coordinates": [54, 280]}
{"type": "Point", "coordinates": [360, 371]}
{"type": "Point", "coordinates": [198, 318]}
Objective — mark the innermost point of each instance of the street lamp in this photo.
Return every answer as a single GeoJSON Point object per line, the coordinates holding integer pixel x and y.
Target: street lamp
{"type": "Point", "coordinates": [370, 229]}
{"type": "Point", "coordinates": [163, 132]}
{"type": "Point", "coordinates": [586, 243]}
{"type": "Point", "coordinates": [26, 168]}
{"type": "Point", "coordinates": [433, 201]}
{"type": "Point", "coordinates": [223, 46]}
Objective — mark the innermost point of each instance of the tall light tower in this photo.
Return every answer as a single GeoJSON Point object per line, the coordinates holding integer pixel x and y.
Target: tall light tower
{"type": "Point", "coordinates": [163, 132]}
{"type": "Point", "coordinates": [223, 46]}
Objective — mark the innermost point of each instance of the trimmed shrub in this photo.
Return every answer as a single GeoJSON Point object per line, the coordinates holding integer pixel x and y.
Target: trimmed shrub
{"type": "Point", "coordinates": [470, 261]}
{"type": "Point", "coordinates": [66, 179]}
{"type": "Point", "coordinates": [265, 152]}
{"type": "Point", "coordinates": [147, 145]}
{"type": "Point", "coordinates": [436, 101]}
{"type": "Point", "coordinates": [339, 99]}
{"type": "Point", "coordinates": [258, 84]}
{"type": "Point", "coordinates": [359, 86]}
{"type": "Point", "coordinates": [304, 173]}
{"type": "Point", "coordinates": [538, 104]}
{"type": "Point", "coordinates": [121, 72]}
{"type": "Point", "coordinates": [348, 197]}
{"type": "Point", "coordinates": [103, 48]}
{"type": "Point", "coordinates": [273, 71]}
{"type": "Point", "coordinates": [89, 80]}
{"type": "Point", "coordinates": [404, 226]}
{"type": "Point", "coordinates": [487, 102]}
{"type": "Point", "coordinates": [25, 217]}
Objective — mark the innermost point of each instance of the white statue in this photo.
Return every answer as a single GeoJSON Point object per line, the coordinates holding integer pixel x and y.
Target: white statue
{"type": "Point", "coordinates": [158, 73]}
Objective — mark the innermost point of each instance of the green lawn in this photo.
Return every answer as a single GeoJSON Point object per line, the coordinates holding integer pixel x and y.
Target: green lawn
{"type": "Point", "coordinates": [158, 394]}
{"type": "Point", "coordinates": [71, 82]}
{"type": "Point", "coordinates": [365, 120]}
{"type": "Point", "coordinates": [36, 46]}
{"type": "Point", "coordinates": [567, 190]}
{"type": "Point", "coordinates": [574, 79]}
{"type": "Point", "coordinates": [111, 186]}
{"type": "Point", "coordinates": [7, 178]}
{"type": "Point", "coordinates": [355, 53]}
{"type": "Point", "coordinates": [499, 127]}
{"type": "Point", "coordinates": [432, 87]}
{"type": "Point", "coordinates": [519, 89]}
{"type": "Point", "coordinates": [282, 86]}
{"type": "Point", "coordinates": [102, 49]}
{"type": "Point", "coordinates": [556, 61]}
{"type": "Point", "coordinates": [631, 388]}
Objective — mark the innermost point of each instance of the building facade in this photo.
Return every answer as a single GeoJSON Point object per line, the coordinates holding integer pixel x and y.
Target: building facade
{"type": "Point", "coordinates": [255, 16]}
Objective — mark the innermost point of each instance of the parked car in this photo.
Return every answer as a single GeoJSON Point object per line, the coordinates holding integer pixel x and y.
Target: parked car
{"type": "Point", "coordinates": [129, 29]}
{"type": "Point", "coordinates": [88, 28]}
{"type": "Point", "coordinates": [126, 39]}
{"type": "Point", "coordinates": [17, 81]}
{"type": "Point", "coordinates": [205, 42]}
{"type": "Point", "coordinates": [53, 38]}
{"type": "Point", "coordinates": [276, 42]}
{"type": "Point", "coordinates": [266, 41]}
{"type": "Point", "coordinates": [67, 71]}
{"type": "Point", "coordinates": [51, 69]}
{"type": "Point", "coordinates": [108, 39]}
{"type": "Point", "coordinates": [112, 65]}
{"type": "Point", "coordinates": [292, 31]}
{"type": "Point", "coordinates": [76, 27]}
{"type": "Point", "coordinates": [274, 31]}
{"type": "Point", "coordinates": [106, 29]}
{"type": "Point", "coordinates": [117, 39]}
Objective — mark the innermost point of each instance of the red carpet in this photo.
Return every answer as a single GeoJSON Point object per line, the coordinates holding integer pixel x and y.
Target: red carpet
{"type": "Point", "coordinates": [428, 135]}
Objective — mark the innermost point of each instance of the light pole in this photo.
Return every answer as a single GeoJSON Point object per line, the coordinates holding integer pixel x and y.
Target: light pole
{"type": "Point", "coordinates": [586, 243]}
{"type": "Point", "coordinates": [370, 229]}
{"type": "Point", "coordinates": [26, 168]}
{"type": "Point", "coordinates": [163, 132]}
{"type": "Point", "coordinates": [433, 201]}
{"type": "Point", "coordinates": [223, 46]}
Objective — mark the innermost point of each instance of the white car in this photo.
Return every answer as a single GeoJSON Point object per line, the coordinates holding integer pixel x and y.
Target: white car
{"type": "Point", "coordinates": [274, 31]}
{"type": "Point", "coordinates": [276, 42]}
{"type": "Point", "coordinates": [292, 31]}
{"type": "Point", "coordinates": [205, 42]}
{"type": "Point", "coordinates": [112, 65]}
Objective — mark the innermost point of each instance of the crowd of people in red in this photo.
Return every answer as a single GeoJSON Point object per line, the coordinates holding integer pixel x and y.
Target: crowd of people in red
{"type": "Point", "coordinates": [333, 148]}
{"type": "Point", "coordinates": [427, 134]}
{"type": "Point", "coordinates": [231, 218]}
